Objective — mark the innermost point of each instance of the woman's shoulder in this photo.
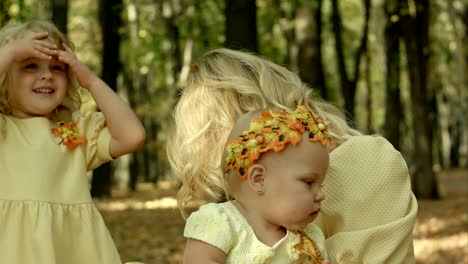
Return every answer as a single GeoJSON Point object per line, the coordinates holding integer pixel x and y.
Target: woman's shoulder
{"type": "Point", "coordinates": [368, 139]}
{"type": "Point", "coordinates": [365, 144]}
{"type": "Point", "coordinates": [367, 154]}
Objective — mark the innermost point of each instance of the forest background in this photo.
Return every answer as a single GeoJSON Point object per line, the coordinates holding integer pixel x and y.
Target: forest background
{"type": "Point", "coordinates": [396, 67]}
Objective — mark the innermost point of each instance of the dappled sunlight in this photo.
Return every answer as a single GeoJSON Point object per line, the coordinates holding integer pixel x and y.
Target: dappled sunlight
{"type": "Point", "coordinates": [433, 225]}
{"type": "Point", "coordinates": [445, 249]}
{"type": "Point", "coordinates": [148, 196]}
{"type": "Point", "coordinates": [436, 226]}
{"type": "Point", "coordinates": [441, 233]}
{"type": "Point", "coordinates": [441, 230]}
{"type": "Point", "coordinates": [165, 202]}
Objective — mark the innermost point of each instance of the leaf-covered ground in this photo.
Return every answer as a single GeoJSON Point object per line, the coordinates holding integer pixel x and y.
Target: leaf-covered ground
{"type": "Point", "coordinates": [148, 227]}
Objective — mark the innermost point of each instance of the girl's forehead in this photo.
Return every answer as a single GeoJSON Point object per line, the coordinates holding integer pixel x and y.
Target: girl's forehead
{"type": "Point", "coordinates": [50, 38]}
{"type": "Point", "coordinates": [53, 61]}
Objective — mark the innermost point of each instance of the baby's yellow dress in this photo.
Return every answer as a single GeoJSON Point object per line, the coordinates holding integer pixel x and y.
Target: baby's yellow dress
{"type": "Point", "coordinates": [223, 226]}
{"type": "Point", "coordinates": [47, 215]}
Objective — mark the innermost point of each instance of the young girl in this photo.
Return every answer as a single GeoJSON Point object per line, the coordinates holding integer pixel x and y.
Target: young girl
{"type": "Point", "coordinates": [370, 211]}
{"type": "Point", "coordinates": [274, 170]}
{"type": "Point", "coordinates": [47, 147]}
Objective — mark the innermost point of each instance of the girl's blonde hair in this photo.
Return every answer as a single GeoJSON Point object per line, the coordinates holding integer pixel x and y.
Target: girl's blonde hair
{"type": "Point", "coordinates": [72, 100]}
{"type": "Point", "coordinates": [224, 86]}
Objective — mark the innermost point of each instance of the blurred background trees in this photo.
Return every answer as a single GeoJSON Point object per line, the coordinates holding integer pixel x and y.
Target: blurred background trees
{"type": "Point", "coordinates": [396, 67]}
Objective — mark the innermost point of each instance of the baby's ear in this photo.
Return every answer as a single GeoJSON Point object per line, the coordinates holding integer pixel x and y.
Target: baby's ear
{"type": "Point", "coordinates": [256, 177]}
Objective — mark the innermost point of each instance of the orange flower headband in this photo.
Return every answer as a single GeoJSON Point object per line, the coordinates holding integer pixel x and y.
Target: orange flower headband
{"type": "Point", "coordinates": [271, 131]}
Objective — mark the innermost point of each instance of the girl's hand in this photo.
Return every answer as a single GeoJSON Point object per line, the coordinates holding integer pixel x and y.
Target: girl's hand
{"type": "Point", "coordinates": [127, 133]}
{"type": "Point", "coordinates": [83, 74]}
{"type": "Point", "coordinates": [326, 262]}
{"type": "Point", "coordinates": [33, 45]}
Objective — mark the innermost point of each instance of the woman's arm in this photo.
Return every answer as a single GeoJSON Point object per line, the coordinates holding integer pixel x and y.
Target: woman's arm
{"type": "Point", "coordinates": [197, 251]}
{"type": "Point", "coordinates": [126, 130]}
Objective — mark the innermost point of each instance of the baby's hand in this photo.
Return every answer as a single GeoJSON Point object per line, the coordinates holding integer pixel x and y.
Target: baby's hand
{"type": "Point", "coordinates": [34, 45]}
{"type": "Point", "coordinates": [83, 74]}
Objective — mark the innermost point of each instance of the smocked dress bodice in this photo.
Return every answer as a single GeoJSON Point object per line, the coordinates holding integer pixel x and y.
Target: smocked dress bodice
{"type": "Point", "coordinates": [46, 211]}
{"type": "Point", "coordinates": [223, 226]}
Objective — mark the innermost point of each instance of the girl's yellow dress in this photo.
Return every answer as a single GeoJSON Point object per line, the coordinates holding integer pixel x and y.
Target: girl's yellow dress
{"type": "Point", "coordinates": [47, 215]}
{"type": "Point", "coordinates": [223, 226]}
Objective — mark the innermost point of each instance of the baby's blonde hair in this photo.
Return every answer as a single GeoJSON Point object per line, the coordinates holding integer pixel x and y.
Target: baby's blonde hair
{"type": "Point", "coordinates": [72, 100]}
{"type": "Point", "coordinates": [224, 86]}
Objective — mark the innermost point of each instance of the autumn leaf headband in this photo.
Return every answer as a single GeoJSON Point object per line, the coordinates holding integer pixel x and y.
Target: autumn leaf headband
{"type": "Point", "coordinates": [271, 131]}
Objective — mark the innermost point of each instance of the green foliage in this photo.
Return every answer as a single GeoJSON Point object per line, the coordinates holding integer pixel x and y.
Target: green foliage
{"type": "Point", "coordinates": [150, 77]}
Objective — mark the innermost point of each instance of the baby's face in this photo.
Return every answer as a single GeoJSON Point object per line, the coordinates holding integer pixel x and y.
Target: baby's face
{"type": "Point", "coordinates": [292, 186]}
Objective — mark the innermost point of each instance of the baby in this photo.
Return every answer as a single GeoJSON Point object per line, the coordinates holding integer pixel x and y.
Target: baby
{"type": "Point", "coordinates": [275, 164]}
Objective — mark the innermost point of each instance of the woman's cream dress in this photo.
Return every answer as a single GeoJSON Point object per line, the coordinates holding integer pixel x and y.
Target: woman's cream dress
{"type": "Point", "coordinates": [369, 211]}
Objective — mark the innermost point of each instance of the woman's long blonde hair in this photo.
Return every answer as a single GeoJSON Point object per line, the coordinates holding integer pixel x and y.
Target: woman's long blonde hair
{"type": "Point", "coordinates": [225, 85]}
{"type": "Point", "coordinates": [72, 100]}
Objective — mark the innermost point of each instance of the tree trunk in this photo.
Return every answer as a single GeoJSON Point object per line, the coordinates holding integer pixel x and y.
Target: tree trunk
{"type": "Point", "coordinates": [393, 105]}
{"type": "Point", "coordinates": [455, 131]}
{"type": "Point", "coordinates": [462, 121]}
{"type": "Point", "coordinates": [132, 98]}
{"type": "Point", "coordinates": [110, 21]}
{"type": "Point", "coordinates": [458, 107]}
{"type": "Point", "coordinates": [171, 16]}
{"type": "Point", "coordinates": [129, 74]}
{"type": "Point", "coordinates": [150, 154]}
{"type": "Point", "coordinates": [349, 84]}
{"type": "Point", "coordinates": [416, 35]}
{"type": "Point", "coordinates": [186, 62]}
{"type": "Point", "coordinates": [442, 129]}
{"type": "Point", "coordinates": [179, 61]}
{"type": "Point", "coordinates": [308, 36]}
{"type": "Point", "coordinates": [4, 15]}
{"type": "Point", "coordinates": [368, 77]}
{"type": "Point", "coordinates": [60, 14]}
{"type": "Point", "coordinates": [241, 24]}
{"type": "Point", "coordinates": [285, 19]}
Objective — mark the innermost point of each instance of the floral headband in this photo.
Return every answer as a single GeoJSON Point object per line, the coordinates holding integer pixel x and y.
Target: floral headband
{"type": "Point", "coordinates": [271, 131]}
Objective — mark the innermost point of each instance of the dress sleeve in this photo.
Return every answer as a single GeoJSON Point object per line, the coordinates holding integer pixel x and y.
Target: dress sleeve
{"type": "Point", "coordinates": [93, 126]}
{"type": "Point", "coordinates": [211, 225]}
{"type": "Point", "coordinates": [369, 212]}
